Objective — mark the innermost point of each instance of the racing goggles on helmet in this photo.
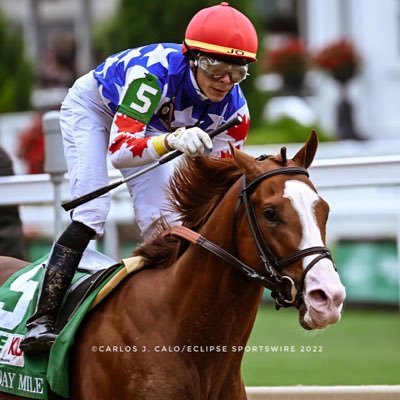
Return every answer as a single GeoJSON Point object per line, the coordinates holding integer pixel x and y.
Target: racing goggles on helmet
{"type": "Point", "coordinates": [216, 69]}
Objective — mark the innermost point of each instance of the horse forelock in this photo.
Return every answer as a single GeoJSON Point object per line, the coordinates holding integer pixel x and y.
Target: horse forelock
{"type": "Point", "coordinates": [195, 189]}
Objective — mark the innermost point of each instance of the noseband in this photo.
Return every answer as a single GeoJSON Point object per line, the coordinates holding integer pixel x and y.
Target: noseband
{"type": "Point", "coordinates": [272, 277]}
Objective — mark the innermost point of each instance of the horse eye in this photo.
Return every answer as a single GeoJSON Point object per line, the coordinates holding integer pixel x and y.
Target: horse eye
{"type": "Point", "coordinates": [271, 215]}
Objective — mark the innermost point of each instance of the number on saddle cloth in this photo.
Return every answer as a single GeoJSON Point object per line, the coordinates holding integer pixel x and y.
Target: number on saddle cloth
{"type": "Point", "coordinates": [26, 376]}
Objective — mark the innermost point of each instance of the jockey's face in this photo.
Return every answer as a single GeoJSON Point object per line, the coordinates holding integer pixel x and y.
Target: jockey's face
{"type": "Point", "coordinates": [215, 90]}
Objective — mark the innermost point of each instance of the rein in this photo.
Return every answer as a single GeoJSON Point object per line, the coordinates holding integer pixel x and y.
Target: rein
{"type": "Point", "coordinates": [197, 239]}
{"type": "Point", "coordinates": [273, 279]}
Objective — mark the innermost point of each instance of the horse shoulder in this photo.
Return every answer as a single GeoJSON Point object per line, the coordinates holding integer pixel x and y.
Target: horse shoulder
{"type": "Point", "coordinates": [122, 328]}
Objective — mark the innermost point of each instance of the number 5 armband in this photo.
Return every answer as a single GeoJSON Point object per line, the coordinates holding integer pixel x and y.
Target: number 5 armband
{"type": "Point", "coordinates": [141, 98]}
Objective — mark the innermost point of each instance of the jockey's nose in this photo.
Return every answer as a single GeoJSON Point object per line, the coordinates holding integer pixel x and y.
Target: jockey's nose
{"type": "Point", "coordinates": [225, 79]}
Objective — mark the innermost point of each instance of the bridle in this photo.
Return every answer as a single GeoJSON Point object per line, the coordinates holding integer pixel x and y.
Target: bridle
{"type": "Point", "coordinates": [272, 277]}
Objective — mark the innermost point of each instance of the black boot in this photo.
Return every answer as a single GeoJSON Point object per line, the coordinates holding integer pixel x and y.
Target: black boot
{"type": "Point", "coordinates": [60, 269]}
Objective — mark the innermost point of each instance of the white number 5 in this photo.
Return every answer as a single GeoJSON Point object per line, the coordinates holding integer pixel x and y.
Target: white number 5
{"type": "Point", "coordinates": [23, 284]}
{"type": "Point", "coordinates": [143, 98]}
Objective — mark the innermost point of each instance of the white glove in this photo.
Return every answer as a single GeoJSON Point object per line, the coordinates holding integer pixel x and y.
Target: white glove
{"type": "Point", "coordinates": [191, 141]}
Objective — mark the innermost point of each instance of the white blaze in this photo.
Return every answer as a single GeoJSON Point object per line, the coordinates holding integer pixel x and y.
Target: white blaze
{"type": "Point", "coordinates": [323, 275]}
{"type": "Point", "coordinates": [303, 200]}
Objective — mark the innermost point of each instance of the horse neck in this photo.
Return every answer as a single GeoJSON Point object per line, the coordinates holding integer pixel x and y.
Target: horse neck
{"type": "Point", "coordinates": [213, 293]}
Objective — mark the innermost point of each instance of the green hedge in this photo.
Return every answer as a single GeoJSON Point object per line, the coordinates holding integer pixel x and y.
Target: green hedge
{"type": "Point", "coordinates": [16, 72]}
{"type": "Point", "coordinates": [284, 130]}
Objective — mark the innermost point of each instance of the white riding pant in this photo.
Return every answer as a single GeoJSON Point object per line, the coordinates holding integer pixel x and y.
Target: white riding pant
{"type": "Point", "coordinates": [85, 125]}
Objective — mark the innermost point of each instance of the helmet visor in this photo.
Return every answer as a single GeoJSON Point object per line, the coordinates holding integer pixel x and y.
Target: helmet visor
{"type": "Point", "coordinates": [217, 70]}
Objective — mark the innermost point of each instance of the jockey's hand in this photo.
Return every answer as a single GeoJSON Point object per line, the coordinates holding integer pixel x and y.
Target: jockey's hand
{"type": "Point", "coordinates": [191, 141]}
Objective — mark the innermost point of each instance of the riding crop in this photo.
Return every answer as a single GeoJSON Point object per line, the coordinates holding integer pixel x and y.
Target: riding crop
{"type": "Point", "coordinates": [69, 205]}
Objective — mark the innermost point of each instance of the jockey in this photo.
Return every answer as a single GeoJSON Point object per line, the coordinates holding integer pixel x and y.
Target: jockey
{"type": "Point", "coordinates": [135, 107]}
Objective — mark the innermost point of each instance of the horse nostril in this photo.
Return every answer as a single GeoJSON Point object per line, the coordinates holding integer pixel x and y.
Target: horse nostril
{"type": "Point", "coordinates": [318, 296]}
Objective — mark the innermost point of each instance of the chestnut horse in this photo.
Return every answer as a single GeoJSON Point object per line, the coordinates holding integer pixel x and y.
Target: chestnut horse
{"type": "Point", "coordinates": [173, 330]}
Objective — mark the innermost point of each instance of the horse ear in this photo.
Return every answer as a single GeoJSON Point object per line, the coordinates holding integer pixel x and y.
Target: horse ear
{"type": "Point", "coordinates": [305, 155]}
{"type": "Point", "coordinates": [245, 162]}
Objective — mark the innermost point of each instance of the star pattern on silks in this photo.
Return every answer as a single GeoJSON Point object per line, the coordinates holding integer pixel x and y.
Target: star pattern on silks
{"type": "Point", "coordinates": [135, 72]}
{"type": "Point", "coordinates": [132, 53]}
{"type": "Point", "coordinates": [217, 120]}
{"type": "Point", "coordinates": [120, 89]}
{"type": "Point", "coordinates": [158, 55]}
{"type": "Point", "coordinates": [107, 64]}
{"type": "Point", "coordinates": [239, 132]}
{"type": "Point", "coordinates": [125, 57]}
{"type": "Point", "coordinates": [183, 118]}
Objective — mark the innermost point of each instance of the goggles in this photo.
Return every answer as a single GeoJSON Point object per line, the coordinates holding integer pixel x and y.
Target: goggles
{"type": "Point", "coordinates": [216, 69]}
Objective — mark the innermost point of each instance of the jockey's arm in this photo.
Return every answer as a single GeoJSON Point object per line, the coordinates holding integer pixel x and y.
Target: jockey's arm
{"type": "Point", "coordinates": [129, 147]}
{"type": "Point", "coordinates": [129, 144]}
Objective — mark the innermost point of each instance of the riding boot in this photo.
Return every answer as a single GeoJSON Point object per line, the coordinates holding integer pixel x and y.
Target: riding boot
{"type": "Point", "coordinates": [60, 269]}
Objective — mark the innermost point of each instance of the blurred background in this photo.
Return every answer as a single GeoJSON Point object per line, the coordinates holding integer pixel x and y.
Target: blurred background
{"type": "Point", "coordinates": [330, 65]}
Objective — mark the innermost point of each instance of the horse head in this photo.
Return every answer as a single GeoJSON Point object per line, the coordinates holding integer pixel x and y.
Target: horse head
{"type": "Point", "coordinates": [281, 233]}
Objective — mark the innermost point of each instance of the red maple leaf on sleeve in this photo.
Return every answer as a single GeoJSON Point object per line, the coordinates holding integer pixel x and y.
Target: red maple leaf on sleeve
{"type": "Point", "coordinates": [128, 124]}
{"type": "Point", "coordinates": [239, 132]}
{"type": "Point", "coordinates": [117, 143]}
{"type": "Point", "coordinates": [137, 145]}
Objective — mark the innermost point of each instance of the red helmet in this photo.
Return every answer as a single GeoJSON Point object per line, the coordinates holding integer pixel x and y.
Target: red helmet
{"type": "Point", "coordinates": [222, 30]}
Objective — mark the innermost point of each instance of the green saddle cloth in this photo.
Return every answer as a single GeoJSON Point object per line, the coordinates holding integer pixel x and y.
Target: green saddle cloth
{"type": "Point", "coordinates": [34, 377]}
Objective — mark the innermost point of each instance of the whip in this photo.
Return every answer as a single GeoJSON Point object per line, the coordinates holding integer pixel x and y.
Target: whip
{"type": "Point", "coordinates": [69, 205]}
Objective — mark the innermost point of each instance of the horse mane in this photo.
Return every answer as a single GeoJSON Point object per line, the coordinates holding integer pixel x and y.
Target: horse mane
{"type": "Point", "coordinates": [196, 188]}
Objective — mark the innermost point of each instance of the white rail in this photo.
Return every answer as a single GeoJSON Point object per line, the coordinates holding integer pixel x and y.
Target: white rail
{"type": "Point", "coordinates": [363, 188]}
{"type": "Point", "coordinates": [324, 393]}
{"type": "Point", "coordinates": [360, 171]}
{"type": "Point", "coordinates": [326, 174]}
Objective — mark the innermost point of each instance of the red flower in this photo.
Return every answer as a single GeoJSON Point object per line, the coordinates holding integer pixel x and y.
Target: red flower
{"type": "Point", "coordinates": [339, 59]}
{"type": "Point", "coordinates": [290, 60]}
{"type": "Point", "coordinates": [31, 146]}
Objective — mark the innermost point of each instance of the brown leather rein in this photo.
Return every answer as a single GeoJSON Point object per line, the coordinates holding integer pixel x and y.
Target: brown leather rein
{"type": "Point", "coordinates": [272, 278]}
